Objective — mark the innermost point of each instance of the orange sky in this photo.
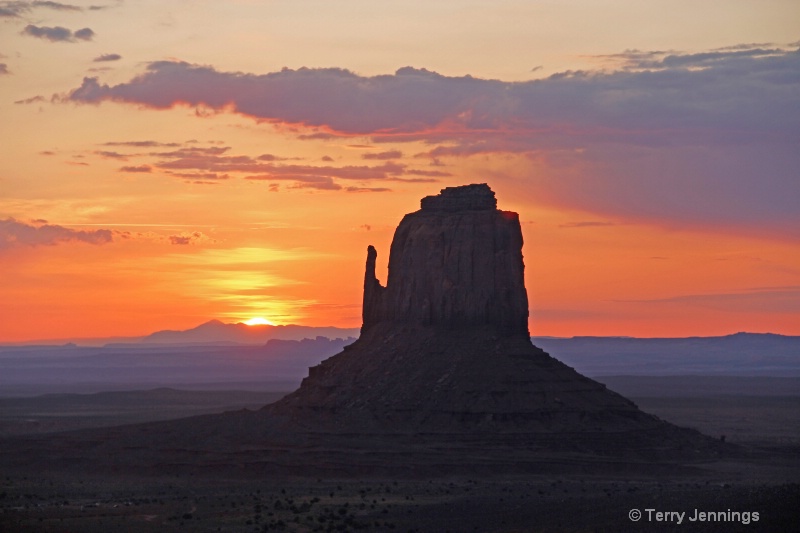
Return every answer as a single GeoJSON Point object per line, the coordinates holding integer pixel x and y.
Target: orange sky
{"type": "Point", "coordinates": [166, 170]}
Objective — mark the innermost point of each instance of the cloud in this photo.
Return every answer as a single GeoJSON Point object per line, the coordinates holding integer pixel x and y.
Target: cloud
{"type": "Point", "coordinates": [136, 168]}
{"type": "Point", "coordinates": [111, 154]}
{"type": "Point", "coordinates": [84, 34]}
{"type": "Point", "coordinates": [200, 176]}
{"type": "Point", "coordinates": [193, 238]}
{"type": "Point", "coordinates": [702, 94]}
{"type": "Point", "coordinates": [4, 69]}
{"type": "Point", "coordinates": [32, 100]}
{"type": "Point", "coordinates": [391, 154]}
{"type": "Point", "coordinates": [701, 138]}
{"type": "Point", "coordinates": [762, 299]}
{"type": "Point", "coordinates": [107, 57]}
{"type": "Point", "coordinates": [15, 9]}
{"type": "Point", "coordinates": [58, 33]}
{"type": "Point", "coordinates": [55, 5]}
{"type": "Point", "coordinates": [141, 144]}
{"type": "Point", "coordinates": [17, 234]}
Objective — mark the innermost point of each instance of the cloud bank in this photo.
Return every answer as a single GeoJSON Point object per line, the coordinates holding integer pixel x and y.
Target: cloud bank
{"type": "Point", "coordinates": [737, 93]}
{"type": "Point", "coordinates": [15, 234]}
{"type": "Point", "coordinates": [17, 8]}
{"type": "Point", "coordinates": [58, 33]}
{"type": "Point", "coordinates": [680, 138]}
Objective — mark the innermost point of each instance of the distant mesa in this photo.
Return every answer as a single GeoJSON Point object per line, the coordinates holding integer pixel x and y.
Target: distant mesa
{"type": "Point", "coordinates": [216, 332]}
{"type": "Point", "coordinates": [445, 352]}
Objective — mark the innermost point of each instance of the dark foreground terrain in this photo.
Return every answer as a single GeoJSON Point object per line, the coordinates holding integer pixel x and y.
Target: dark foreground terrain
{"type": "Point", "coordinates": [538, 503]}
{"type": "Point", "coordinates": [760, 475]}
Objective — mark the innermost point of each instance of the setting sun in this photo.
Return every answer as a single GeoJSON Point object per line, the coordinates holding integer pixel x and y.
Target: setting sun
{"type": "Point", "coordinates": [259, 321]}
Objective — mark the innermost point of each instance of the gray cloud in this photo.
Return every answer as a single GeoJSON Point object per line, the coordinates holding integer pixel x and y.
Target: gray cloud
{"type": "Point", "coordinates": [58, 33]}
{"type": "Point", "coordinates": [15, 234]}
{"type": "Point", "coordinates": [141, 144]}
{"type": "Point", "coordinates": [676, 138]}
{"type": "Point", "coordinates": [703, 94]}
{"type": "Point", "coordinates": [15, 9]}
{"type": "Point", "coordinates": [391, 154]}
{"type": "Point", "coordinates": [85, 34]}
{"type": "Point", "coordinates": [4, 69]}
{"type": "Point", "coordinates": [58, 6]}
{"type": "Point", "coordinates": [107, 57]}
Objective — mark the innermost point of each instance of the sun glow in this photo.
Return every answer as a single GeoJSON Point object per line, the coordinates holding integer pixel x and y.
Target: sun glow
{"type": "Point", "coordinates": [259, 321]}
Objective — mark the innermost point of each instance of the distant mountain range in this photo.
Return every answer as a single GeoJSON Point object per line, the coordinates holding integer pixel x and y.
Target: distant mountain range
{"type": "Point", "coordinates": [216, 331]}
{"type": "Point", "coordinates": [751, 354]}
{"type": "Point", "coordinates": [215, 355]}
{"type": "Point", "coordinates": [211, 332]}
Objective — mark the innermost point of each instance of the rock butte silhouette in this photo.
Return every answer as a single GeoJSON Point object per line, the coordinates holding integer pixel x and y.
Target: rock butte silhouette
{"type": "Point", "coordinates": [445, 351]}
{"type": "Point", "coordinates": [443, 380]}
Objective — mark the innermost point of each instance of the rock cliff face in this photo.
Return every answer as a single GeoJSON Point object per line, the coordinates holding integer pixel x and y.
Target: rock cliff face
{"type": "Point", "coordinates": [444, 353]}
{"type": "Point", "coordinates": [455, 263]}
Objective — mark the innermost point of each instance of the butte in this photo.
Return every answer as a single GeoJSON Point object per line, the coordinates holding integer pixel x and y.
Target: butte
{"type": "Point", "coordinates": [445, 360]}
{"type": "Point", "coordinates": [443, 380]}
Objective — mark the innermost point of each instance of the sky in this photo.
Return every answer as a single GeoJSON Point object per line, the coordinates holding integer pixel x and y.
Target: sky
{"type": "Point", "coordinates": [167, 163]}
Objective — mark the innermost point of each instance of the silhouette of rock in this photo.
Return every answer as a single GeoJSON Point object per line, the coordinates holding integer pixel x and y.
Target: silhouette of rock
{"type": "Point", "coordinates": [445, 351]}
{"type": "Point", "coordinates": [455, 263]}
{"type": "Point", "coordinates": [443, 380]}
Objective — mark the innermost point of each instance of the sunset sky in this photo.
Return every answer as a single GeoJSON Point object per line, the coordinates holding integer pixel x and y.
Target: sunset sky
{"type": "Point", "coordinates": [166, 163]}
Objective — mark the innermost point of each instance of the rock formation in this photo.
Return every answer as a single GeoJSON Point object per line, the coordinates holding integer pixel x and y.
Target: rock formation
{"type": "Point", "coordinates": [445, 351]}
{"type": "Point", "coordinates": [455, 263]}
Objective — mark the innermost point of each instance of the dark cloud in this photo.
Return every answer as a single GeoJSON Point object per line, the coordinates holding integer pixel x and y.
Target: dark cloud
{"type": "Point", "coordinates": [431, 173]}
{"type": "Point", "coordinates": [13, 9]}
{"type": "Point", "coordinates": [678, 138]}
{"type": "Point", "coordinates": [107, 57]}
{"type": "Point", "coordinates": [85, 34]}
{"type": "Point", "coordinates": [16, 234]}
{"type": "Point", "coordinates": [316, 136]}
{"type": "Point", "coordinates": [32, 100]}
{"type": "Point", "coordinates": [56, 5]}
{"type": "Point", "coordinates": [391, 154]}
{"type": "Point", "coordinates": [4, 69]}
{"type": "Point", "coordinates": [410, 100]}
{"type": "Point", "coordinates": [111, 155]}
{"type": "Point", "coordinates": [58, 33]}
{"type": "Point", "coordinates": [192, 238]}
{"type": "Point", "coordinates": [141, 144]}
{"type": "Point", "coordinates": [267, 166]}
{"type": "Point", "coordinates": [698, 93]}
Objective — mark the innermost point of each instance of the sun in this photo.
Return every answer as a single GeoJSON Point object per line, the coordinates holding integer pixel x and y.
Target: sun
{"type": "Point", "coordinates": [259, 321]}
